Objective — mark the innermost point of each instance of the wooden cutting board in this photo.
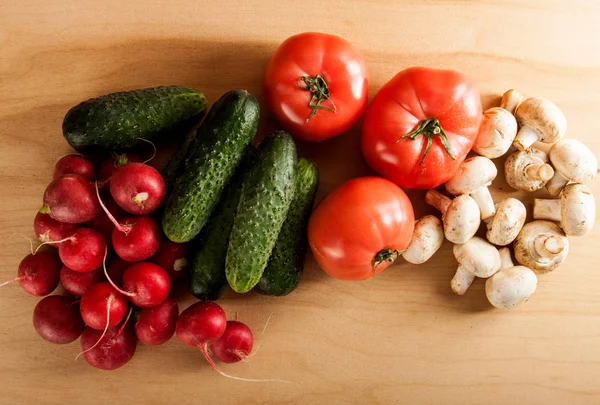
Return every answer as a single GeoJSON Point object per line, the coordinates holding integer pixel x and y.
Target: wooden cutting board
{"type": "Point", "coordinates": [402, 337]}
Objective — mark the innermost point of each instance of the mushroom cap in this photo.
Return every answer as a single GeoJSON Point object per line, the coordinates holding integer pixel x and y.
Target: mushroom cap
{"type": "Point", "coordinates": [510, 287]}
{"type": "Point", "coordinates": [578, 209]}
{"type": "Point", "coordinates": [541, 245]}
{"type": "Point", "coordinates": [461, 219]}
{"type": "Point", "coordinates": [516, 164]}
{"type": "Point", "coordinates": [427, 238]}
{"type": "Point", "coordinates": [473, 173]}
{"type": "Point", "coordinates": [496, 133]}
{"type": "Point", "coordinates": [544, 117]}
{"type": "Point", "coordinates": [507, 223]}
{"type": "Point", "coordinates": [478, 256]}
{"type": "Point", "coordinates": [574, 160]}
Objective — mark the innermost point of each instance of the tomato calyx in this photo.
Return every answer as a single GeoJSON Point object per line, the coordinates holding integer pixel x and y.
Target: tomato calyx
{"type": "Point", "coordinates": [429, 128]}
{"type": "Point", "coordinates": [317, 85]}
{"type": "Point", "coordinates": [385, 255]}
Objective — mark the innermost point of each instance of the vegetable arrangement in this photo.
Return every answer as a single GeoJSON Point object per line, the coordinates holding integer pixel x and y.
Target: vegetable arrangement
{"type": "Point", "coordinates": [116, 234]}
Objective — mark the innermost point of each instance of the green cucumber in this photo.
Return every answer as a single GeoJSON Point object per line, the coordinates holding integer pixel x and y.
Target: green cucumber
{"type": "Point", "coordinates": [121, 121]}
{"type": "Point", "coordinates": [170, 172]}
{"type": "Point", "coordinates": [283, 272]}
{"type": "Point", "coordinates": [267, 193]}
{"type": "Point", "coordinates": [209, 164]}
{"type": "Point", "coordinates": [207, 274]}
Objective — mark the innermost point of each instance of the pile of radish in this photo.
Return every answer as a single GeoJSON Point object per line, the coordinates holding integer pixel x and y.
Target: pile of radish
{"type": "Point", "coordinates": [102, 244]}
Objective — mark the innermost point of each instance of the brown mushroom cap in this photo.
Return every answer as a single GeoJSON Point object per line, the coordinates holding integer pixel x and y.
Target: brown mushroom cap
{"type": "Point", "coordinates": [573, 160]}
{"type": "Point", "coordinates": [473, 173]}
{"type": "Point", "coordinates": [544, 117]}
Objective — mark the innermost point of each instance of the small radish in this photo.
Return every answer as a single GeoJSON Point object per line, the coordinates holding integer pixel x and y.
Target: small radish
{"type": "Point", "coordinates": [102, 305]}
{"type": "Point", "coordinates": [116, 269]}
{"type": "Point", "coordinates": [172, 257]}
{"type": "Point", "coordinates": [235, 344]}
{"type": "Point", "coordinates": [82, 251]}
{"type": "Point", "coordinates": [71, 199]}
{"type": "Point", "coordinates": [77, 283]}
{"type": "Point", "coordinates": [201, 323]}
{"type": "Point", "coordinates": [102, 223]}
{"type": "Point", "coordinates": [110, 164]}
{"type": "Point", "coordinates": [38, 273]}
{"type": "Point", "coordinates": [110, 351]}
{"type": "Point", "coordinates": [74, 164]}
{"type": "Point", "coordinates": [57, 319]}
{"type": "Point", "coordinates": [48, 229]}
{"type": "Point", "coordinates": [156, 325]}
{"type": "Point", "coordinates": [136, 238]}
{"type": "Point", "coordinates": [138, 188]}
{"type": "Point", "coordinates": [145, 284]}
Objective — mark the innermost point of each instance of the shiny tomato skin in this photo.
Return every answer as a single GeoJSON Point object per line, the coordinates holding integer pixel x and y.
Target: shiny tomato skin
{"type": "Point", "coordinates": [414, 95]}
{"type": "Point", "coordinates": [355, 222]}
{"type": "Point", "coordinates": [310, 54]}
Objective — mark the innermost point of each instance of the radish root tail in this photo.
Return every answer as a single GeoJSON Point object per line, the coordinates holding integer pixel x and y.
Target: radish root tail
{"type": "Point", "coordinates": [116, 287]}
{"type": "Point", "coordinates": [123, 228]}
{"type": "Point", "coordinates": [54, 242]}
{"type": "Point", "coordinates": [108, 304]}
{"type": "Point", "coordinates": [153, 147]}
{"type": "Point", "coordinates": [12, 280]}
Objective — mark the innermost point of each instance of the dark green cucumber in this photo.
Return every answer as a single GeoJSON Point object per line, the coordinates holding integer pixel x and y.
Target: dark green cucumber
{"type": "Point", "coordinates": [267, 193]}
{"type": "Point", "coordinates": [121, 121]}
{"type": "Point", "coordinates": [209, 164]}
{"type": "Point", "coordinates": [170, 172]}
{"type": "Point", "coordinates": [283, 272]}
{"type": "Point", "coordinates": [207, 274]}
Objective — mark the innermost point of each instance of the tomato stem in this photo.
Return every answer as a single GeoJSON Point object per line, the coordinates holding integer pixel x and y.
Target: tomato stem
{"type": "Point", "coordinates": [320, 92]}
{"type": "Point", "coordinates": [385, 255]}
{"type": "Point", "coordinates": [429, 128]}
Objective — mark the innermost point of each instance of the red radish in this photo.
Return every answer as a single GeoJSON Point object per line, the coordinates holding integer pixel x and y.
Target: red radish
{"type": "Point", "coordinates": [102, 305]}
{"type": "Point", "coordinates": [57, 319]}
{"type": "Point", "coordinates": [110, 351]}
{"type": "Point", "coordinates": [74, 164]}
{"type": "Point", "coordinates": [139, 241]}
{"type": "Point", "coordinates": [201, 323]}
{"type": "Point", "coordinates": [235, 344]}
{"type": "Point", "coordinates": [71, 199]}
{"type": "Point", "coordinates": [110, 164]}
{"type": "Point", "coordinates": [116, 269]}
{"type": "Point", "coordinates": [48, 229]}
{"type": "Point", "coordinates": [172, 257]}
{"type": "Point", "coordinates": [156, 325]}
{"type": "Point", "coordinates": [138, 188]}
{"type": "Point", "coordinates": [102, 222]}
{"type": "Point", "coordinates": [76, 283]}
{"type": "Point", "coordinates": [145, 284]}
{"type": "Point", "coordinates": [82, 251]}
{"type": "Point", "coordinates": [38, 273]}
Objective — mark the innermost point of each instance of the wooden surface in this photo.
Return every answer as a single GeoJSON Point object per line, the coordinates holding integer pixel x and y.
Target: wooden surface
{"type": "Point", "coordinates": [399, 338]}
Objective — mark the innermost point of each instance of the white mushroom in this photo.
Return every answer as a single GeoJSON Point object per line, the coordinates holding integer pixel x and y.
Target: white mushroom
{"type": "Point", "coordinates": [541, 120]}
{"type": "Point", "coordinates": [476, 258]}
{"type": "Point", "coordinates": [506, 224]}
{"type": "Point", "coordinates": [496, 133]}
{"type": "Point", "coordinates": [541, 245]}
{"type": "Point", "coordinates": [473, 177]}
{"type": "Point", "coordinates": [572, 161]}
{"type": "Point", "coordinates": [511, 100]}
{"type": "Point", "coordinates": [427, 238]}
{"type": "Point", "coordinates": [459, 215]}
{"type": "Point", "coordinates": [527, 170]}
{"type": "Point", "coordinates": [575, 210]}
{"type": "Point", "coordinates": [512, 285]}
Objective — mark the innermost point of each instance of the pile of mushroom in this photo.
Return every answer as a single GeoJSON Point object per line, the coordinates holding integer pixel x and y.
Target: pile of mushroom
{"type": "Point", "coordinates": [541, 245]}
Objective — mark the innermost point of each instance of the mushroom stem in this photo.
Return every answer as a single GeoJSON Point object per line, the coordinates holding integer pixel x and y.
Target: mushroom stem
{"type": "Point", "coordinates": [511, 100]}
{"type": "Point", "coordinates": [438, 200]}
{"type": "Point", "coordinates": [525, 138]}
{"type": "Point", "coordinates": [539, 172]}
{"type": "Point", "coordinates": [548, 245]}
{"type": "Point", "coordinates": [505, 258]}
{"type": "Point", "coordinates": [484, 200]}
{"type": "Point", "coordinates": [462, 280]}
{"type": "Point", "coordinates": [547, 209]}
{"type": "Point", "coordinates": [556, 183]}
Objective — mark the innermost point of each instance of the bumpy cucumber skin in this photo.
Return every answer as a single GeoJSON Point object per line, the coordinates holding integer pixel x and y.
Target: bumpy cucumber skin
{"type": "Point", "coordinates": [170, 172]}
{"type": "Point", "coordinates": [207, 275]}
{"type": "Point", "coordinates": [267, 193]}
{"type": "Point", "coordinates": [283, 272]}
{"type": "Point", "coordinates": [117, 121]}
{"type": "Point", "coordinates": [211, 160]}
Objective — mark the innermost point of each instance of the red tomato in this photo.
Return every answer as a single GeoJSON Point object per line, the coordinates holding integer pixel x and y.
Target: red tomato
{"type": "Point", "coordinates": [316, 85]}
{"type": "Point", "coordinates": [359, 229]}
{"type": "Point", "coordinates": [420, 126]}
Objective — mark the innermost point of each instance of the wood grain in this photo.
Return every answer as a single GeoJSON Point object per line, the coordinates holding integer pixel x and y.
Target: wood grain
{"type": "Point", "coordinates": [399, 338]}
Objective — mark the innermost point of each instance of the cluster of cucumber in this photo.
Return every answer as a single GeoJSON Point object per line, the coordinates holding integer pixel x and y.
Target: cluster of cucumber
{"type": "Point", "coordinates": [244, 209]}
